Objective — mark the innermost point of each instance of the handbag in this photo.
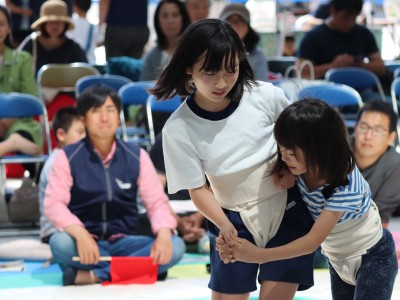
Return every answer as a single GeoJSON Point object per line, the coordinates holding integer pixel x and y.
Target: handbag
{"type": "Point", "coordinates": [24, 203]}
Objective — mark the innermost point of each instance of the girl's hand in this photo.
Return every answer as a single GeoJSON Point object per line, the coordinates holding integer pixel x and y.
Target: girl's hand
{"type": "Point", "coordinates": [224, 250]}
{"type": "Point", "coordinates": [284, 179]}
{"type": "Point", "coordinates": [228, 232]}
{"type": "Point", "coordinates": [161, 250]}
{"type": "Point", "coordinates": [243, 250]}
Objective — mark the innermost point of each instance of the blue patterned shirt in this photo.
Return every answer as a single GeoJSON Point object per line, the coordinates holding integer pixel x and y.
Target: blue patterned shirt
{"type": "Point", "coordinates": [354, 199]}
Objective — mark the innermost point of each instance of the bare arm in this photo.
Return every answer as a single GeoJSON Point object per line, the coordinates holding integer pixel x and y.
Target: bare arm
{"type": "Point", "coordinates": [103, 11]}
{"type": "Point", "coordinates": [15, 9]}
{"type": "Point", "coordinates": [375, 64]}
{"type": "Point", "coordinates": [206, 203]}
{"type": "Point", "coordinates": [248, 252]}
{"type": "Point", "coordinates": [342, 60]}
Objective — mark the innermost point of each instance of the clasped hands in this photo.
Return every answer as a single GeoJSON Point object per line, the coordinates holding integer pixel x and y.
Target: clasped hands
{"type": "Point", "coordinates": [237, 249]}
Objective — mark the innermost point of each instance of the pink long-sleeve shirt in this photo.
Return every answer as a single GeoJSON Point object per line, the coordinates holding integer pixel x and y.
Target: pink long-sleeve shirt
{"type": "Point", "coordinates": [58, 196]}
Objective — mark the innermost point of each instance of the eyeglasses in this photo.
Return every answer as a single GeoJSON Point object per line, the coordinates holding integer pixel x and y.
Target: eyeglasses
{"type": "Point", "coordinates": [376, 131]}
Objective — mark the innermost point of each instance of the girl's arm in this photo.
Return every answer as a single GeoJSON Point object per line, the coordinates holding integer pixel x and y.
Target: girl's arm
{"type": "Point", "coordinates": [206, 203]}
{"type": "Point", "coordinates": [242, 250]}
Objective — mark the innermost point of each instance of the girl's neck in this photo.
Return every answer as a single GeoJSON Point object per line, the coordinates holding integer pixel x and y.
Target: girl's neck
{"type": "Point", "coordinates": [209, 105]}
{"type": "Point", "coordinates": [2, 46]}
{"type": "Point", "coordinates": [313, 183]}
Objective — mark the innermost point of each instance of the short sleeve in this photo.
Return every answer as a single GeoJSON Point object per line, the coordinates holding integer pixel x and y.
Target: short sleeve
{"type": "Point", "coordinates": [182, 164]}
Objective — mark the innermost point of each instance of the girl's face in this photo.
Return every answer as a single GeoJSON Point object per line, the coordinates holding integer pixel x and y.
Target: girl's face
{"type": "Point", "coordinates": [170, 20]}
{"type": "Point", "coordinates": [295, 163]}
{"type": "Point", "coordinates": [55, 28]}
{"type": "Point", "coordinates": [4, 27]}
{"type": "Point", "coordinates": [213, 87]}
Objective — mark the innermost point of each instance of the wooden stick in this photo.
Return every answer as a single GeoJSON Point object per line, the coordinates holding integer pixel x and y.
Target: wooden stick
{"type": "Point", "coordinates": [102, 258]}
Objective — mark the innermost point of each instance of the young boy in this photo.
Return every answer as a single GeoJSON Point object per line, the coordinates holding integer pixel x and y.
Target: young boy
{"type": "Point", "coordinates": [68, 129]}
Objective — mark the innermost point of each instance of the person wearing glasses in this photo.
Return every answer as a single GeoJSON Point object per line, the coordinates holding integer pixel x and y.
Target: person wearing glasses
{"type": "Point", "coordinates": [376, 157]}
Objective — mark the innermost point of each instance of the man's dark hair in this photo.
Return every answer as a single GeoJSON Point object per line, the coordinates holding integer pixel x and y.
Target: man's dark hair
{"type": "Point", "coordinates": [83, 4]}
{"type": "Point", "coordinates": [379, 106]}
{"type": "Point", "coordinates": [351, 6]}
{"type": "Point", "coordinates": [96, 96]}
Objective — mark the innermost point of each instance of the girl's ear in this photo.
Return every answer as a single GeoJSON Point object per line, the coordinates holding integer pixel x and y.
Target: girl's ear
{"type": "Point", "coordinates": [189, 71]}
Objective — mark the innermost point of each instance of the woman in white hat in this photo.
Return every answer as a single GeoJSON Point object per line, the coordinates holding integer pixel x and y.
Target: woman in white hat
{"type": "Point", "coordinates": [50, 43]}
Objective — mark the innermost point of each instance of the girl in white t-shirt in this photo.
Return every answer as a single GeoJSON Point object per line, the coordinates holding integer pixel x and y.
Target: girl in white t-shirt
{"type": "Point", "coordinates": [313, 145]}
{"type": "Point", "coordinates": [224, 131]}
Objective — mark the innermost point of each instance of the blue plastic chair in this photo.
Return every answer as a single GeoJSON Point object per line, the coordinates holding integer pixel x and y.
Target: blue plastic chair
{"type": "Point", "coordinates": [113, 81]}
{"type": "Point", "coordinates": [339, 96]}
{"type": "Point", "coordinates": [165, 106]}
{"type": "Point", "coordinates": [19, 105]}
{"type": "Point", "coordinates": [135, 93]}
{"type": "Point", "coordinates": [357, 78]}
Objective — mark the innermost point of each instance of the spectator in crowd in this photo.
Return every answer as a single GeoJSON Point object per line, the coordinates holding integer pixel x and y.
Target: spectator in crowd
{"type": "Point", "coordinates": [170, 21]}
{"type": "Point", "coordinates": [239, 17]}
{"type": "Point", "coordinates": [86, 34]}
{"type": "Point", "coordinates": [68, 129]}
{"type": "Point", "coordinates": [340, 42]}
{"type": "Point", "coordinates": [376, 157]}
{"type": "Point", "coordinates": [91, 198]}
{"type": "Point", "coordinates": [289, 46]}
{"type": "Point", "coordinates": [198, 9]}
{"type": "Point", "coordinates": [17, 135]}
{"type": "Point", "coordinates": [50, 44]}
{"type": "Point", "coordinates": [126, 32]}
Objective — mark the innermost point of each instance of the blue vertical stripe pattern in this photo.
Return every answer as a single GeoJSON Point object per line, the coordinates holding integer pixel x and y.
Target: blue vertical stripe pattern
{"type": "Point", "coordinates": [353, 199]}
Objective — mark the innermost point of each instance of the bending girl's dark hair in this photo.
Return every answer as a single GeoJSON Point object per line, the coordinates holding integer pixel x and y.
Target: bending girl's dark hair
{"type": "Point", "coordinates": [219, 44]}
{"type": "Point", "coordinates": [9, 40]}
{"type": "Point", "coordinates": [319, 131]}
{"type": "Point", "coordinates": [96, 96]}
{"type": "Point", "coordinates": [161, 39]}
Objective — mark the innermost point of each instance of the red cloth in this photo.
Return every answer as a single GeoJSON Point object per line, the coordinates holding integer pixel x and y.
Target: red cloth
{"type": "Point", "coordinates": [128, 270]}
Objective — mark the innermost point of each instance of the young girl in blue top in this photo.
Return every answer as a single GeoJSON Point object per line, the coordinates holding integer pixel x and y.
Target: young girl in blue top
{"type": "Point", "coordinates": [224, 132]}
{"type": "Point", "coordinates": [313, 145]}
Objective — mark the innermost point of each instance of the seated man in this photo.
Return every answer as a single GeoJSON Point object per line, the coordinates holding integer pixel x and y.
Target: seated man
{"type": "Point", "coordinates": [191, 223]}
{"type": "Point", "coordinates": [379, 163]}
{"type": "Point", "coordinates": [340, 42]}
{"type": "Point", "coordinates": [91, 198]}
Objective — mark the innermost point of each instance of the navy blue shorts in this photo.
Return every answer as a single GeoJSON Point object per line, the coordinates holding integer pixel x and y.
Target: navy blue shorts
{"type": "Point", "coordinates": [239, 277]}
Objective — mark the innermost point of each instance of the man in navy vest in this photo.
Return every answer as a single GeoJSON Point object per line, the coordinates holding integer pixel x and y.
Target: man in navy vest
{"type": "Point", "coordinates": [91, 198]}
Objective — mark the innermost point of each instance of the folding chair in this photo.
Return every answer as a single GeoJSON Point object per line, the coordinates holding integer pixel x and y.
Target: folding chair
{"type": "Point", "coordinates": [135, 93]}
{"type": "Point", "coordinates": [55, 78]}
{"type": "Point", "coordinates": [113, 81]}
{"type": "Point", "coordinates": [154, 105]}
{"type": "Point", "coordinates": [395, 93]}
{"type": "Point", "coordinates": [342, 97]}
{"type": "Point", "coordinates": [18, 105]}
{"type": "Point", "coordinates": [357, 78]}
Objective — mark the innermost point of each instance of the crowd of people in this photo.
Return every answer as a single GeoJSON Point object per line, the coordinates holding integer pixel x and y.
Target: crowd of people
{"type": "Point", "coordinates": [290, 182]}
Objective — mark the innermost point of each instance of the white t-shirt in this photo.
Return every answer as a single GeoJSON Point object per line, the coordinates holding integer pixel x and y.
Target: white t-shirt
{"type": "Point", "coordinates": [81, 35]}
{"type": "Point", "coordinates": [233, 152]}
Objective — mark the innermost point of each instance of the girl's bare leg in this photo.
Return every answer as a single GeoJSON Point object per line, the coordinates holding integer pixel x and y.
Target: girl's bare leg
{"type": "Point", "coordinates": [271, 290]}
{"type": "Point", "coordinates": [221, 296]}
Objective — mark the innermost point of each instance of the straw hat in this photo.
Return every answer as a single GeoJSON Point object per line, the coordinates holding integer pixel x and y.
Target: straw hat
{"type": "Point", "coordinates": [53, 10]}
